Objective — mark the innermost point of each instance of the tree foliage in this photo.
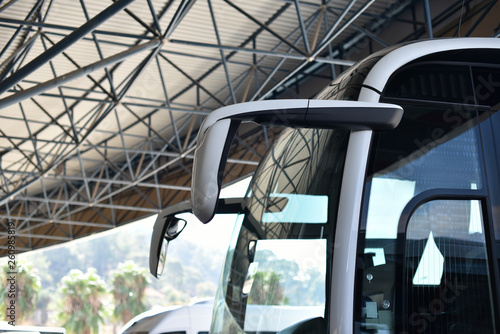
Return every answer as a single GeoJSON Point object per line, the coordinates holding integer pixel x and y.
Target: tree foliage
{"type": "Point", "coordinates": [129, 283]}
{"type": "Point", "coordinates": [266, 289]}
{"type": "Point", "coordinates": [82, 308]}
{"type": "Point", "coordinates": [25, 290]}
{"type": "Point", "coordinates": [192, 271]}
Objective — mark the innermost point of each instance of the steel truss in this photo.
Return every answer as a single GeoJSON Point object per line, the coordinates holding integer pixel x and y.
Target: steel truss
{"type": "Point", "coordinates": [101, 102]}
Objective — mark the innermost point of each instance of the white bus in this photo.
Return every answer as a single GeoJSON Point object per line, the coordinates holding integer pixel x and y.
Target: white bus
{"type": "Point", "coordinates": [378, 208]}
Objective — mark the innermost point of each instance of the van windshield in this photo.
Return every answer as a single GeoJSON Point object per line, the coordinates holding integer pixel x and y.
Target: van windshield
{"type": "Point", "coordinates": [278, 263]}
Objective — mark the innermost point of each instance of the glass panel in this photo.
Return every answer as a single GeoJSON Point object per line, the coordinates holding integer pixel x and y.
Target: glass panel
{"type": "Point", "coordinates": [432, 148]}
{"type": "Point", "coordinates": [447, 285]}
{"type": "Point", "coordinates": [492, 157]}
{"type": "Point", "coordinates": [486, 86]}
{"type": "Point", "coordinates": [286, 281]}
{"type": "Point", "coordinates": [348, 85]}
{"type": "Point", "coordinates": [437, 157]}
{"type": "Point", "coordinates": [433, 82]}
{"type": "Point", "coordinates": [276, 270]}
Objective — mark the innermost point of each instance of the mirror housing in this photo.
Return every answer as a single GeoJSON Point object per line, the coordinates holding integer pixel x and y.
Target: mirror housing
{"type": "Point", "coordinates": [163, 233]}
{"type": "Point", "coordinates": [252, 244]}
{"type": "Point", "coordinates": [219, 128]}
{"type": "Point", "coordinates": [167, 227]}
{"type": "Point", "coordinates": [173, 227]}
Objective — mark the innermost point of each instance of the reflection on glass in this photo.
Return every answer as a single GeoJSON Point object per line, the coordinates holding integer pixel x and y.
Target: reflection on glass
{"type": "Point", "coordinates": [285, 281]}
{"type": "Point", "coordinates": [387, 201]}
{"type": "Point", "coordinates": [377, 256]}
{"type": "Point", "coordinates": [276, 269]}
{"type": "Point", "coordinates": [299, 208]}
{"type": "Point", "coordinates": [430, 266]}
{"type": "Point", "coordinates": [421, 155]}
{"type": "Point", "coordinates": [446, 270]}
{"type": "Point", "coordinates": [433, 148]}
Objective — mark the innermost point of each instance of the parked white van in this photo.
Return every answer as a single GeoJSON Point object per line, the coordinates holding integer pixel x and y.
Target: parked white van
{"type": "Point", "coordinates": [6, 328]}
{"type": "Point", "coordinates": [190, 319]}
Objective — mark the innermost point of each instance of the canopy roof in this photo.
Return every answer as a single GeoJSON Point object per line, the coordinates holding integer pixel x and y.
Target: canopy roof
{"type": "Point", "coordinates": [101, 100]}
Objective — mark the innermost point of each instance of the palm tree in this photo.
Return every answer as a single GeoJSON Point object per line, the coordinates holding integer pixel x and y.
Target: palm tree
{"type": "Point", "coordinates": [22, 286]}
{"type": "Point", "coordinates": [82, 308]}
{"type": "Point", "coordinates": [129, 282]}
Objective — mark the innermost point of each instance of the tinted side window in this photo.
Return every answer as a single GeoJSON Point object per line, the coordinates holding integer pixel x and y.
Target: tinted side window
{"type": "Point", "coordinates": [433, 82]}
{"type": "Point", "coordinates": [491, 131]}
{"type": "Point", "coordinates": [487, 86]}
{"type": "Point", "coordinates": [446, 276]}
{"type": "Point", "coordinates": [433, 149]}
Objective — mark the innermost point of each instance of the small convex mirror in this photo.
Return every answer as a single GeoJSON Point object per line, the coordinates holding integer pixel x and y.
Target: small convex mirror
{"type": "Point", "coordinates": [251, 250]}
{"type": "Point", "coordinates": [173, 227]}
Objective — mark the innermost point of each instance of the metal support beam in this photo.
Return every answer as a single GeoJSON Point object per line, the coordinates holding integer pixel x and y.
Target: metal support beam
{"type": "Point", "coordinates": [66, 42]}
{"type": "Point", "coordinates": [428, 19]}
{"type": "Point", "coordinates": [222, 57]}
{"type": "Point", "coordinates": [57, 82]}
{"type": "Point", "coordinates": [265, 27]}
{"type": "Point", "coordinates": [66, 165]}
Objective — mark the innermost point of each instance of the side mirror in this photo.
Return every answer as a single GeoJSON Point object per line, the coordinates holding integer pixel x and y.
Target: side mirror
{"type": "Point", "coordinates": [168, 227]}
{"type": "Point", "coordinates": [251, 250]}
{"type": "Point", "coordinates": [173, 227]}
{"type": "Point", "coordinates": [219, 128]}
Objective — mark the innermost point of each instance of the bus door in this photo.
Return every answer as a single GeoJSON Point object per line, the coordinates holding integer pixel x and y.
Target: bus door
{"type": "Point", "coordinates": [427, 257]}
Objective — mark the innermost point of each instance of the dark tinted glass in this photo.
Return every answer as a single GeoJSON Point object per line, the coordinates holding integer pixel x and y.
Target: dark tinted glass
{"type": "Point", "coordinates": [433, 148]}
{"type": "Point", "coordinates": [447, 279]}
{"type": "Point", "coordinates": [487, 86]}
{"type": "Point", "coordinates": [433, 82]}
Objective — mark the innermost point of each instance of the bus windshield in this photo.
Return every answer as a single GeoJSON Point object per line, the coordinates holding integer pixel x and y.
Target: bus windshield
{"type": "Point", "coordinates": [277, 268]}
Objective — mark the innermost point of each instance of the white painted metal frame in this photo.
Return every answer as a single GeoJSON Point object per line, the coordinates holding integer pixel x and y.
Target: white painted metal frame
{"type": "Point", "coordinates": [102, 100]}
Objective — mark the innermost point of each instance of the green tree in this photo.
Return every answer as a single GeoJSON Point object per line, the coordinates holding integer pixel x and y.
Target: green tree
{"type": "Point", "coordinates": [23, 288]}
{"type": "Point", "coordinates": [173, 296]}
{"type": "Point", "coordinates": [266, 289]}
{"type": "Point", "coordinates": [82, 308]}
{"type": "Point", "coordinates": [205, 289]}
{"type": "Point", "coordinates": [129, 283]}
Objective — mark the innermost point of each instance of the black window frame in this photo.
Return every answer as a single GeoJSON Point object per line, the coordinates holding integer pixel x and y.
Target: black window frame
{"type": "Point", "coordinates": [401, 314]}
{"type": "Point", "coordinates": [488, 195]}
{"type": "Point", "coordinates": [490, 139]}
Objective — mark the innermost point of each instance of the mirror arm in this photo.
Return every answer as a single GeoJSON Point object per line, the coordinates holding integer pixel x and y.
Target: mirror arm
{"type": "Point", "coordinates": [230, 205]}
{"type": "Point", "coordinates": [225, 206]}
{"type": "Point", "coordinates": [219, 129]}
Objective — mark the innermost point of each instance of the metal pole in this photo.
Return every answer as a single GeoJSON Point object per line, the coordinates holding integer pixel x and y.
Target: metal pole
{"type": "Point", "coordinates": [428, 18]}
{"type": "Point", "coordinates": [62, 45]}
{"type": "Point", "coordinates": [222, 57]}
{"type": "Point", "coordinates": [302, 27]}
{"type": "Point", "coordinates": [56, 82]}
{"type": "Point", "coordinates": [265, 27]}
{"type": "Point", "coordinates": [18, 30]}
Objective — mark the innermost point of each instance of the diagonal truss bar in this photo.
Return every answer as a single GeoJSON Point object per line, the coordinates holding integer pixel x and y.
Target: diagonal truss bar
{"type": "Point", "coordinates": [66, 42]}
{"type": "Point", "coordinates": [14, 23]}
{"type": "Point", "coordinates": [302, 27]}
{"type": "Point", "coordinates": [57, 82]}
{"type": "Point", "coordinates": [320, 49]}
{"type": "Point", "coordinates": [265, 27]}
{"type": "Point", "coordinates": [133, 170]}
{"type": "Point", "coordinates": [249, 39]}
{"type": "Point", "coordinates": [222, 57]}
{"type": "Point", "coordinates": [35, 8]}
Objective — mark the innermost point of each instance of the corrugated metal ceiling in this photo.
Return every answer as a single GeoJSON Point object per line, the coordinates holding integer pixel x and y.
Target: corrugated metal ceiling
{"type": "Point", "coordinates": [115, 143]}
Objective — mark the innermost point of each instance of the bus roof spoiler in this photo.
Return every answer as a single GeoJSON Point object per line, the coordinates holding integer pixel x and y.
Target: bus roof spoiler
{"type": "Point", "coordinates": [219, 128]}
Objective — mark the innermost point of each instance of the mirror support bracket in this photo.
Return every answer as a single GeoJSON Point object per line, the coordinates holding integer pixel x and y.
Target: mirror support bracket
{"type": "Point", "coordinates": [219, 129]}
